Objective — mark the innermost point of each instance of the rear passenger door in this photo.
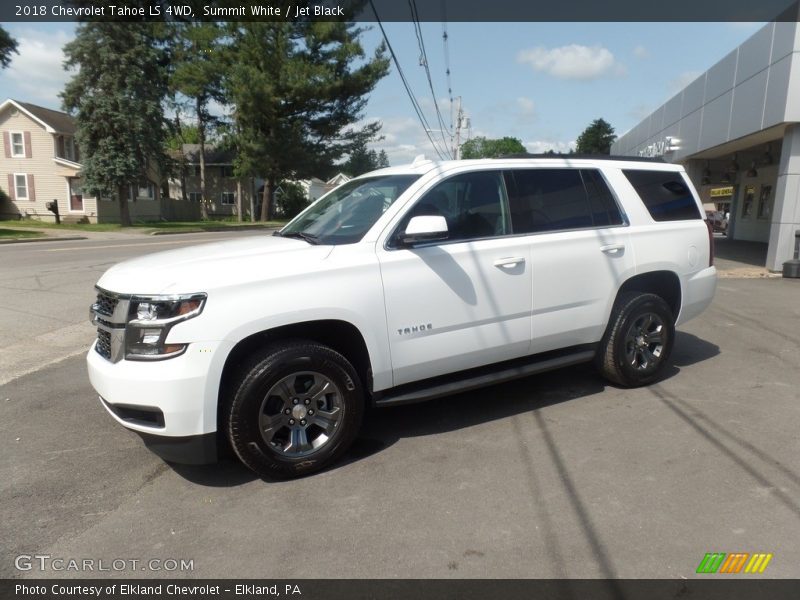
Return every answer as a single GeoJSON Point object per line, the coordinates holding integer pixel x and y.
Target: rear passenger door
{"type": "Point", "coordinates": [580, 251]}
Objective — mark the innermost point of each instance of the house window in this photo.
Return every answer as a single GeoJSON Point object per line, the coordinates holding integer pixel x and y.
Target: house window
{"type": "Point", "coordinates": [21, 186]}
{"type": "Point", "coordinates": [142, 191]}
{"type": "Point", "coordinates": [195, 196]}
{"type": "Point", "coordinates": [17, 145]}
{"type": "Point", "coordinates": [69, 149]}
{"type": "Point", "coordinates": [197, 170]}
{"type": "Point", "coordinates": [228, 198]}
{"type": "Point", "coordinates": [146, 191]}
{"type": "Point", "coordinates": [227, 170]}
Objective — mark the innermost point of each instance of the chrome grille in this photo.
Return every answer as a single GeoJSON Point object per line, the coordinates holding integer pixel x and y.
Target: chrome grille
{"type": "Point", "coordinates": [109, 314]}
{"type": "Point", "coordinates": [106, 304]}
{"type": "Point", "coordinates": [103, 345]}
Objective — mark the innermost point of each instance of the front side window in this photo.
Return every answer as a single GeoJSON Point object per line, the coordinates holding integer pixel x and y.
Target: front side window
{"type": "Point", "coordinates": [228, 198]}
{"type": "Point", "coordinates": [195, 196]}
{"type": "Point", "coordinates": [665, 194]}
{"type": "Point", "coordinates": [346, 214]}
{"type": "Point", "coordinates": [17, 145]}
{"type": "Point", "coordinates": [21, 185]}
{"type": "Point", "coordinates": [473, 204]}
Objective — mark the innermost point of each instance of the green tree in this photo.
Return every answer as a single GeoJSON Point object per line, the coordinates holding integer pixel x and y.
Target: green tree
{"type": "Point", "coordinates": [198, 64]}
{"type": "Point", "coordinates": [363, 160]}
{"type": "Point", "coordinates": [8, 46]}
{"type": "Point", "coordinates": [481, 147]}
{"type": "Point", "coordinates": [181, 133]}
{"type": "Point", "coordinates": [298, 89]}
{"type": "Point", "coordinates": [596, 138]}
{"type": "Point", "coordinates": [383, 160]}
{"type": "Point", "coordinates": [291, 199]}
{"type": "Point", "coordinates": [116, 97]}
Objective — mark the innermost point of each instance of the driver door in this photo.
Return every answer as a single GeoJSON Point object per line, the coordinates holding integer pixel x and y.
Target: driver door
{"type": "Point", "coordinates": [465, 301]}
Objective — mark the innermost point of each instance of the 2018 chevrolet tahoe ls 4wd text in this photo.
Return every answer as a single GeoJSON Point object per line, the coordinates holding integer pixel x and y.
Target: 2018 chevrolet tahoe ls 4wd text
{"type": "Point", "coordinates": [404, 284]}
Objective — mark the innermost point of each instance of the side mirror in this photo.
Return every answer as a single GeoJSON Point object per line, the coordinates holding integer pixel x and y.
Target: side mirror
{"type": "Point", "coordinates": [424, 229]}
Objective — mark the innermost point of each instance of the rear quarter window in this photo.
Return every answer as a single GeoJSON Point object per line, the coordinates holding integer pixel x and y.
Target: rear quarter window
{"type": "Point", "coordinates": [665, 194]}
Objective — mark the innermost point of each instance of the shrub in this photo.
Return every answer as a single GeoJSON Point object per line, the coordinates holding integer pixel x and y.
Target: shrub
{"type": "Point", "coordinates": [291, 199]}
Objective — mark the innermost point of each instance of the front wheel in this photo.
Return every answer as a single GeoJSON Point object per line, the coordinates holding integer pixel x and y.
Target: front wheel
{"type": "Point", "coordinates": [295, 409]}
{"type": "Point", "coordinates": [639, 340]}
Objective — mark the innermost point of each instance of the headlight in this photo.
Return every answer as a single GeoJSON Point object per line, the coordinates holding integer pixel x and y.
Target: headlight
{"type": "Point", "coordinates": [149, 320]}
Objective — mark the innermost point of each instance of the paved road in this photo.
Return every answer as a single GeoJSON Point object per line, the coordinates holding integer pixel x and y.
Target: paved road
{"type": "Point", "coordinates": [555, 475]}
{"type": "Point", "coordinates": [46, 290]}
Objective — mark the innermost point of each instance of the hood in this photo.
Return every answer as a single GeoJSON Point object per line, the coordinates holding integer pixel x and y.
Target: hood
{"type": "Point", "coordinates": [207, 266]}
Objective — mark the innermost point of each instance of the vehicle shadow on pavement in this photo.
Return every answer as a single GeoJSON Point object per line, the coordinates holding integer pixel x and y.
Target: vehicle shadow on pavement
{"type": "Point", "coordinates": [384, 427]}
{"type": "Point", "coordinates": [513, 398]}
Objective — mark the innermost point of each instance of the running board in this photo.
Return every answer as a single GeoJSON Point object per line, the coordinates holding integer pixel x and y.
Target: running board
{"type": "Point", "coordinates": [437, 390]}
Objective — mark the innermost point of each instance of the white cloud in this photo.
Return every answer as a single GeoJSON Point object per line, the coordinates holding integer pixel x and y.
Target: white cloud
{"type": "Point", "coordinates": [572, 62]}
{"type": "Point", "coordinates": [404, 139]}
{"type": "Point", "coordinates": [641, 52]}
{"type": "Point", "coordinates": [37, 70]}
{"type": "Point", "coordinates": [525, 106]}
{"type": "Point", "coordinates": [682, 80]}
{"type": "Point", "coordinates": [542, 146]}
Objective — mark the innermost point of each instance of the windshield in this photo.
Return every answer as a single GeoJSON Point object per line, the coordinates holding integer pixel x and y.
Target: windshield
{"type": "Point", "coordinates": [346, 214]}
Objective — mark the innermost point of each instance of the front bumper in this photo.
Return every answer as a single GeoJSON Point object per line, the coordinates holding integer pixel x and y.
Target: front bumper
{"type": "Point", "coordinates": [190, 450]}
{"type": "Point", "coordinates": [171, 403]}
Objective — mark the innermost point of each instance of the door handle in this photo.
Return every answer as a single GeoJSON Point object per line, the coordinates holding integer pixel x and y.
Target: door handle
{"type": "Point", "coordinates": [508, 263]}
{"type": "Point", "coordinates": [612, 248]}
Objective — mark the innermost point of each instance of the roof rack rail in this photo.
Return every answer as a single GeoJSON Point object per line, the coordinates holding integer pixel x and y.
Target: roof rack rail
{"type": "Point", "coordinates": [657, 159]}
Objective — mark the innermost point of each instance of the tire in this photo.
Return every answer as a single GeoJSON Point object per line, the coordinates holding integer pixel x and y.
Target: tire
{"type": "Point", "coordinates": [638, 341]}
{"type": "Point", "coordinates": [295, 409]}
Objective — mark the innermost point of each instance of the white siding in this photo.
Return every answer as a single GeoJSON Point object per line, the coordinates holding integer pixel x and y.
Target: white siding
{"type": "Point", "coordinates": [48, 184]}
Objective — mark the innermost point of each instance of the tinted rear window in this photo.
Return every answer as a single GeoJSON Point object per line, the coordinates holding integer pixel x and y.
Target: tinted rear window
{"type": "Point", "coordinates": [559, 199]}
{"type": "Point", "coordinates": [665, 194]}
{"type": "Point", "coordinates": [604, 209]}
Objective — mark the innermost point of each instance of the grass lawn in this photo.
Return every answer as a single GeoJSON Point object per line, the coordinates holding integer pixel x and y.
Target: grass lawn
{"type": "Point", "coordinates": [15, 234]}
{"type": "Point", "coordinates": [148, 227]}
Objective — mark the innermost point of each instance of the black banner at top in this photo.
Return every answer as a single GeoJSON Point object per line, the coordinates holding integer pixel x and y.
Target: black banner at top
{"type": "Point", "coordinates": [400, 10]}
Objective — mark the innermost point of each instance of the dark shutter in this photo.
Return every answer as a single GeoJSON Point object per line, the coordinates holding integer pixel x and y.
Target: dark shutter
{"type": "Point", "coordinates": [12, 187]}
{"type": "Point", "coordinates": [31, 189]}
{"type": "Point", "coordinates": [27, 136]}
{"type": "Point", "coordinates": [7, 144]}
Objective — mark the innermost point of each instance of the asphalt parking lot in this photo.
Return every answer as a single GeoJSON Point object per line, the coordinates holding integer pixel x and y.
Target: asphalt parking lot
{"type": "Point", "coordinates": [558, 475]}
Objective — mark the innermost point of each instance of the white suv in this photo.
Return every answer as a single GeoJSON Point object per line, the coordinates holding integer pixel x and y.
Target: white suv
{"type": "Point", "coordinates": [401, 285]}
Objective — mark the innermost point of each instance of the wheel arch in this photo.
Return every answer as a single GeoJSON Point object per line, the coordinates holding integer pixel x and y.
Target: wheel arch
{"type": "Point", "coordinates": [342, 336]}
{"type": "Point", "coordinates": [665, 284]}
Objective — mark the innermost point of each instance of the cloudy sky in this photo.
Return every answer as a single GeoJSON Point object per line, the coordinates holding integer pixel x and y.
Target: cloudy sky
{"type": "Point", "coordinates": [539, 82]}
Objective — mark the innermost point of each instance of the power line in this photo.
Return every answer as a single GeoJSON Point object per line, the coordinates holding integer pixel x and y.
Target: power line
{"type": "Point", "coordinates": [445, 38]}
{"type": "Point", "coordinates": [424, 62]}
{"type": "Point", "coordinates": [411, 96]}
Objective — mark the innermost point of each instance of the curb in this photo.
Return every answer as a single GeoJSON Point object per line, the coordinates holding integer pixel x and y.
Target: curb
{"type": "Point", "coordinates": [65, 238]}
{"type": "Point", "coordinates": [216, 229]}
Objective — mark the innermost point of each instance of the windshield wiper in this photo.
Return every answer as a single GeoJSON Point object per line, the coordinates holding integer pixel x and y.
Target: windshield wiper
{"type": "Point", "coordinates": [307, 237]}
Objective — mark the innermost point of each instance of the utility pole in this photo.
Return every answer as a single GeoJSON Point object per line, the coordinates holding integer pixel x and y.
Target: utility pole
{"type": "Point", "coordinates": [459, 120]}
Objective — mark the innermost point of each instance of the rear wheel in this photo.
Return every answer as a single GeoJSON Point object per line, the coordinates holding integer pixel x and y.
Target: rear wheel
{"type": "Point", "coordinates": [295, 409]}
{"type": "Point", "coordinates": [639, 340]}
